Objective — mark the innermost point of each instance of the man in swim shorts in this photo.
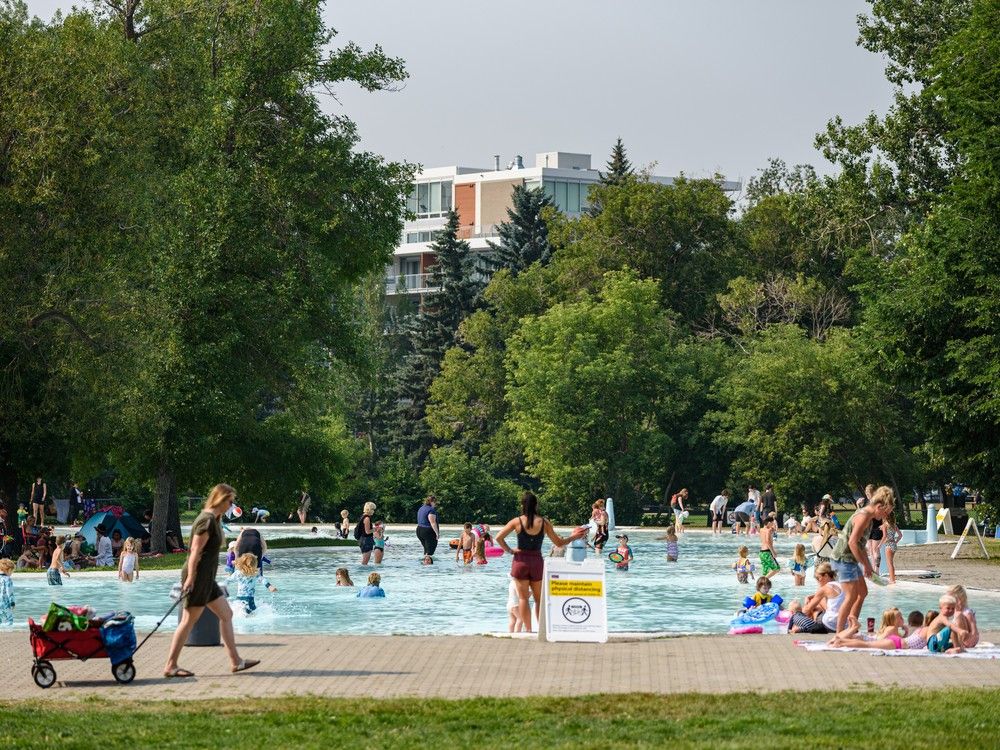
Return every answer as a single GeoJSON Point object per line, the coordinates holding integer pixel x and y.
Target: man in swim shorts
{"type": "Point", "coordinates": [768, 561]}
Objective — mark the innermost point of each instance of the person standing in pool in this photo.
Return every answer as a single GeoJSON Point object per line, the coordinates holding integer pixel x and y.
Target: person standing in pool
{"type": "Point", "coordinates": [365, 532]}
{"type": "Point", "coordinates": [428, 531]}
{"type": "Point", "coordinates": [601, 520]}
{"type": "Point", "coordinates": [677, 506]}
{"type": "Point", "coordinates": [768, 558]}
{"type": "Point", "coordinates": [198, 584]}
{"type": "Point", "coordinates": [528, 565]}
{"type": "Point", "coordinates": [718, 511]}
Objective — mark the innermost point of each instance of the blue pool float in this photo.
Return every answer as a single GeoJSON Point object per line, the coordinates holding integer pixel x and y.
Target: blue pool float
{"type": "Point", "coordinates": [757, 615]}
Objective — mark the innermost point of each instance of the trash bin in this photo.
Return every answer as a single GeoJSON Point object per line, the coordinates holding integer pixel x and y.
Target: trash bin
{"type": "Point", "coordinates": [206, 631]}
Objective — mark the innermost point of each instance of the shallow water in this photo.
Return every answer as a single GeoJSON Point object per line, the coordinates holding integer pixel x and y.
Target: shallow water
{"type": "Point", "coordinates": [697, 594]}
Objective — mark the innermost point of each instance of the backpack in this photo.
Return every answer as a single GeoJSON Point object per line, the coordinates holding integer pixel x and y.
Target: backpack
{"type": "Point", "coordinates": [359, 530]}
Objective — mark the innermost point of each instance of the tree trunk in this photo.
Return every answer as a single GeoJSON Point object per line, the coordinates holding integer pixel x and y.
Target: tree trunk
{"type": "Point", "coordinates": [166, 517]}
{"type": "Point", "coordinates": [8, 497]}
{"type": "Point", "coordinates": [902, 500]}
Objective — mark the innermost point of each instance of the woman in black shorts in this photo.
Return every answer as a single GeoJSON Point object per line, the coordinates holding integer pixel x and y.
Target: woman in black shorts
{"type": "Point", "coordinates": [528, 565]}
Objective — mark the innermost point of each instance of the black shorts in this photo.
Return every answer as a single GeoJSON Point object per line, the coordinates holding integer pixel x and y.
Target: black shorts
{"type": "Point", "coordinates": [720, 517]}
{"type": "Point", "coordinates": [367, 543]}
{"type": "Point", "coordinates": [742, 518]}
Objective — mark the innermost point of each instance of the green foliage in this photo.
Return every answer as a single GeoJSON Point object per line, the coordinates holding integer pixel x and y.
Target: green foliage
{"type": "Point", "coordinates": [809, 416]}
{"type": "Point", "coordinates": [466, 489]}
{"type": "Point", "coordinates": [396, 489]}
{"type": "Point", "coordinates": [431, 333]}
{"type": "Point", "coordinates": [206, 224]}
{"type": "Point", "coordinates": [595, 388]}
{"type": "Point", "coordinates": [524, 237]}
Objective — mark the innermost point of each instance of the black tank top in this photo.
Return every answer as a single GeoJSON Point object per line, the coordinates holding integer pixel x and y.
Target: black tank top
{"type": "Point", "coordinates": [530, 542]}
{"type": "Point", "coordinates": [250, 542]}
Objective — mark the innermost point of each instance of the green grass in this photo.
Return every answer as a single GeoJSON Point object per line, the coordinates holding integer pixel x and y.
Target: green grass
{"type": "Point", "coordinates": [176, 561]}
{"type": "Point", "coordinates": [816, 720]}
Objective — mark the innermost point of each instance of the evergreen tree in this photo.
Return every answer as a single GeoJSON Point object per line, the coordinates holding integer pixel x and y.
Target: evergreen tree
{"type": "Point", "coordinates": [619, 167]}
{"type": "Point", "coordinates": [432, 332]}
{"type": "Point", "coordinates": [524, 237]}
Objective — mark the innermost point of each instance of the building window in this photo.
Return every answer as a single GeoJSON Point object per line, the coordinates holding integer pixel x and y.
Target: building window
{"type": "Point", "coordinates": [430, 200]}
{"type": "Point", "coordinates": [569, 197]}
{"type": "Point", "coordinates": [412, 237]}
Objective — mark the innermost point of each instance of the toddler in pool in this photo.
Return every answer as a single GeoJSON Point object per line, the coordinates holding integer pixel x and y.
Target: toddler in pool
{"type": "Point", "coordinates": [743, 566]}
{"type": "Point", "coordinates": [246, 576]}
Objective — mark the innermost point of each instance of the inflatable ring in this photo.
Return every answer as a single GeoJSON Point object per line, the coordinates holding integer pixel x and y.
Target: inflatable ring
{"type": "Point", "coordinates": [453, 543]}
{"type": "Point", "coordinates": [494, 551]}
{"type": "Point", "coordinates": [746, 630]}
{"type": "Point", "coordinates": [757, 615]}
{"type": "Point", "coordinates": [783, 616]}
{"type": "Point", "coordinates": [237, 511]}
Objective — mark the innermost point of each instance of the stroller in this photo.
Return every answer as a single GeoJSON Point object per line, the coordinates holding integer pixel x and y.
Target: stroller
{"type": "Point", "coordinates": [68, 633]}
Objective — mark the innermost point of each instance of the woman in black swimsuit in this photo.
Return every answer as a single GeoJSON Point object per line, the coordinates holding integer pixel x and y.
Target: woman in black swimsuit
{"type": "Point", "coordinates": [528, 564]}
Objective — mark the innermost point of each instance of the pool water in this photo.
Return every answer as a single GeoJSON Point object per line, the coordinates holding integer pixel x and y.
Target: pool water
{"type": "Point", "coordinates": [697, 594]}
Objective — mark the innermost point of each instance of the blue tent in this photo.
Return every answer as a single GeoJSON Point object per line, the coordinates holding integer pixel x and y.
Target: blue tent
{"type": "Point", "coordinates": [126, 525]}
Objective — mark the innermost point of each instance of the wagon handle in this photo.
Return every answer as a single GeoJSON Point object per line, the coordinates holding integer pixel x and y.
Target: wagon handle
{"type": "Point", "coordinates": [162, 620]}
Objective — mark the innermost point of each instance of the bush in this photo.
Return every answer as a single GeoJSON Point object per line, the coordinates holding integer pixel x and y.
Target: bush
{"type": "Point", "coordinates": [466, 489]}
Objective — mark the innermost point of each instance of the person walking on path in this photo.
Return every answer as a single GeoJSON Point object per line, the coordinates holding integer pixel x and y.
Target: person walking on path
{"type": "Point", "coordinates": [39, 495]}
{"type": "Point", "coordinates": [850, 558]}
{"type": "Point", "coordinates": [428, 531]}
{"type": "Point", "coordinates": [718, 511]}
{"type": "Point", "coordinates": [528, 565]}
{"type": "Point", "coordinates": [199, 586]}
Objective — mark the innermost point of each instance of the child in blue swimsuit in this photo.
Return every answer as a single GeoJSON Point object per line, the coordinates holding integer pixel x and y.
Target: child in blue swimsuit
{"type": "Point", "coordinates": [799, 565]}
{"type": "Point", "coordinates": [6, 592]}
{"type": "Point", "coordinates": [246, 576]}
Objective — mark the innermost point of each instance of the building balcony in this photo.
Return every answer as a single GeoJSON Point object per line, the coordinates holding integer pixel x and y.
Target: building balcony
{"type": "Point", "coordinates": [410, 283]}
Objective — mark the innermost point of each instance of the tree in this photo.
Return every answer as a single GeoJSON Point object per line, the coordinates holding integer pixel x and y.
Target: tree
{"type": "Point", "coordinates": [935, 322]}
{"type": "Point", "coordinates": [597, 389]}
{"type": "Point", "coordinates": [618, 166]}
{"type": "Point", "coordinates": [466, 488]}
{"type": "Point", "coordinates": [234, 218]}
{"type": "Point", "coordinates": [524, 237]}
{"type": "Point", "coordinates": [810, 416]}
{"type": "Point", "coordinates": [432, 332]}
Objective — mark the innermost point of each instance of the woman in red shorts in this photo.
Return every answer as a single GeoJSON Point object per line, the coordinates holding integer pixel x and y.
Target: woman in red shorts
{"type": "Point", "coordinates": [528, 565]}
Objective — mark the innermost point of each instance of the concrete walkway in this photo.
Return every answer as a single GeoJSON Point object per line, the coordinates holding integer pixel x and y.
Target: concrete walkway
{"type": "Point", "coordinates": [456, 666]}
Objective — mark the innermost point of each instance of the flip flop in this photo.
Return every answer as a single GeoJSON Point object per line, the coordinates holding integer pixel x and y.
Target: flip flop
{"type": "Point", "coordinates": [245, 664]}
{"type": "Point", "coordinates": [178, 672]}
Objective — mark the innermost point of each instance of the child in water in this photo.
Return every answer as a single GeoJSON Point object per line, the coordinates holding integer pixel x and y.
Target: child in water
{"type": "Point", "coordinates": [514, 624]}
{"type": "Point", "coordinates": [373, 590]}
{"type": "Point", "coordinates": [7, 591]}
{"type": "Point", "coordinates": [246, 576]}
{"type": "Point", "coordinates": [465, 543]}
{"type": "Point", "coordinates": [672, 547]}
{"type": "Point", "coordinates": [763, 594]}
{"type": "Point", "coordinates": [625, 551]}
{"type": "Point", "coordinates": [343, 577]}
{"type": "Point", "coordinates": [799, 565]}
{"type": "Point", "coordinates": [379, 537]}
{"type": "Point", "coordinates": [479, 553]}
{"type": "Point", "coordinates": [128, 561]}
{"type": "Point", "coordinates": [743, 566]}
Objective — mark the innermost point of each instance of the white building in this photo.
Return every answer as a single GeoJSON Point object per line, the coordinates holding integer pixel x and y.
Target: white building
{"type": "Point", "coordinates": [481, 198]}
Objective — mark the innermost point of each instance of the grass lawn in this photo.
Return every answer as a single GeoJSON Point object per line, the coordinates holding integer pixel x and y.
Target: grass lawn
{"type": "Point", "coordinates": [861, 719]}
{"type": "Point", "coordinates": [176, 560]}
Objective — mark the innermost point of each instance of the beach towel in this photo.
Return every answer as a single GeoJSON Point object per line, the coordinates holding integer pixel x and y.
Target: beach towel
{"type": "Point", "coordinates": [982, 651]}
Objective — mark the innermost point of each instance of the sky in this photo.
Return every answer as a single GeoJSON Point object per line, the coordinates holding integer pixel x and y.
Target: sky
{"type": "Point", "coordinates": [693, 86]}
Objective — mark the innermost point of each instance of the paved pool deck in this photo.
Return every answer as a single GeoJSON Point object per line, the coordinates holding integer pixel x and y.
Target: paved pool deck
{"type": "Point", "coordinates": [468, 666]}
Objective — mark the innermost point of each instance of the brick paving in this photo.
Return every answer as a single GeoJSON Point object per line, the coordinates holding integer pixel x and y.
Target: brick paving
{"type": "Point", "coordinates": [465, 666]}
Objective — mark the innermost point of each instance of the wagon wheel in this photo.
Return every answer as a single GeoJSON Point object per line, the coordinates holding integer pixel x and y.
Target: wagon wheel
{"type": "Point", "coordinates": [124, 671]}
{"type": "Point", "coordinates": [43, 673]}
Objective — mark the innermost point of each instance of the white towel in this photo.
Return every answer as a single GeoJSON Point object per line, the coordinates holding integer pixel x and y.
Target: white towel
{"type": "Point", "coordinates": [982, 651]}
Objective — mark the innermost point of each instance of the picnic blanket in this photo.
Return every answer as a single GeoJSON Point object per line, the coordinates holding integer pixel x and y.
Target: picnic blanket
{"type": "Point", "coordinates": [982, 651]}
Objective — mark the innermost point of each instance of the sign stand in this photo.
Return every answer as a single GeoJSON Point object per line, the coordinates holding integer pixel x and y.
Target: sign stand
{"type": "Point", "coordinates": [574, 605]}
{"type": "Point", "coordinates": [944, 521]}
{"type": "Point", "coordinates": [970, 525]}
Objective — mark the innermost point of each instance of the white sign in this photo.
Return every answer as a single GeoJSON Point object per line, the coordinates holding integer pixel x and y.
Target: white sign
{"type": "Point", "coordinates": [944, 521]}
{"type": "Point", "coordinates": [574, 601]}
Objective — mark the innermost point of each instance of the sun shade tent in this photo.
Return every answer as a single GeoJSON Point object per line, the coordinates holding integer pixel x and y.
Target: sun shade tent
{"type": "Point", "coordinates": [127, 525]}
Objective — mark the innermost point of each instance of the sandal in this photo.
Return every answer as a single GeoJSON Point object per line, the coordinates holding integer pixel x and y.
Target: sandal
{"type": "Point", "coordinates": [245, 664]}
{"type": "Point", "coordinates": [178, 672]}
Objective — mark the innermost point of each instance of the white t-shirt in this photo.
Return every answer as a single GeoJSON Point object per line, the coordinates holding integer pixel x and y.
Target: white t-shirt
{"type": "Point", "coordinates": [753, 496]}
{"type": "Point", "coordinates": [105, 556]}
{"type": "Point", "coordinates": [513, 600]}
{"type": "Point", "coordinates": [718, 504]}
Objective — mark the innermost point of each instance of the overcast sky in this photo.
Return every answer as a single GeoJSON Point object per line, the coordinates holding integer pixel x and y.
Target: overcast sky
{"type": "Point", "coordinates": [697, 86]}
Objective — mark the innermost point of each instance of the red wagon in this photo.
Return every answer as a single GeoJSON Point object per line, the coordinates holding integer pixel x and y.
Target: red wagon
{"type": "Point", "coordinates": [48, 646]}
